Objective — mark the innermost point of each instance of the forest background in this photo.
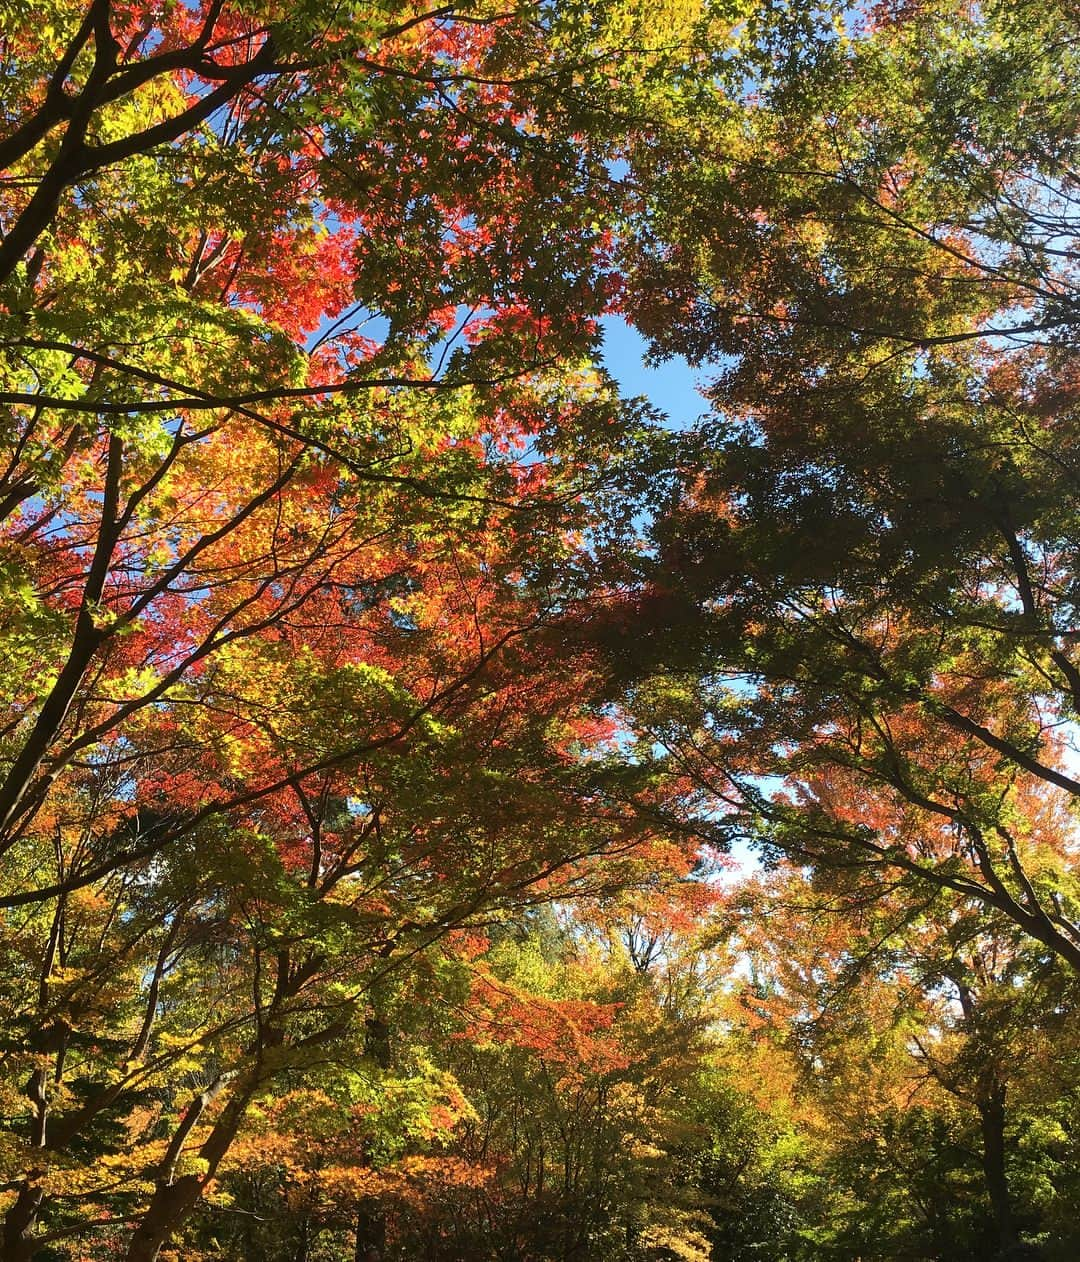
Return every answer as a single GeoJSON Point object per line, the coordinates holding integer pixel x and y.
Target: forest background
{"type": "Point", "coordinates": [450, 809]}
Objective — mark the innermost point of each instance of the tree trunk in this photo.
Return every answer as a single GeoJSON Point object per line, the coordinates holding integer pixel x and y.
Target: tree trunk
{"type": "Point", "coordinates": [18, 1245]}
{"type": "Point", "coordinates": [169, 1206]}
{"type": "Point", "coordinates": [175, 1198]}
{"type": "Point", "coordinates": [370, 1240]}
{"type": "Point", "coordinates": [991, 1106]}
{"type": "Point", "coordinates": [303, 1245]}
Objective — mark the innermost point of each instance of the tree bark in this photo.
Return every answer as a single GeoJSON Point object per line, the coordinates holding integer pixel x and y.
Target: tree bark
{"type": "Point", "coordinates": [991, 1106]}
{"type": "Point", "coordinates": [18, 1244]}
{"type": "Point", "coordinates": [175, 1198]}
{"type": "Point", "coordinates": [370, 1238]}
{"type": "Point", "coordinates": [992, 1122]}
{"type": "Point", "coordinates": [169, 1206]}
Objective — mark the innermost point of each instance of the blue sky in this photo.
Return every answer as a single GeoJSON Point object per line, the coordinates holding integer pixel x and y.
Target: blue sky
{"type": "Point", "coordinates": [670, 386]}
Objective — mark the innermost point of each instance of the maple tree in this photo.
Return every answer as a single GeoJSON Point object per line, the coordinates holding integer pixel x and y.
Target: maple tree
{"type": "Point", "coordinates": [380, 688]}
{"type": "Point", "coordinates": [936, 1016]}
{"type": "Point", "coordinates": [866, 588]}
{"type": "Point", "coordinates": [576, 1108]}
{"type": "Point", "coordinates": [301, 436]}
{"type": "Point", "coordinates": [578, 1098]}
{"type": "Point", "coordinates": [853, 635]}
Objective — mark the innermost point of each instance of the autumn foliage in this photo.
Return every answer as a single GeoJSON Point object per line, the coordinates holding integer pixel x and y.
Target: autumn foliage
{"type": "Point", "coordinates": [391, 709]}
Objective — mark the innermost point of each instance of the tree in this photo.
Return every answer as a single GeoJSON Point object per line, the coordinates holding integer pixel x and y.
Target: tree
{"type": "Point", "coordinates": [866, 588]}
{"type": "Point", "coordinates": [583, 1076]}
{"type": "Point", "coordinates": [934, 1025]}
{"type": "Point", "coordinates": [301, 438]}
{"type": "Point", "coordinates": [546, 1104]}
{"type": "Point", "coordinates": [144, 464]}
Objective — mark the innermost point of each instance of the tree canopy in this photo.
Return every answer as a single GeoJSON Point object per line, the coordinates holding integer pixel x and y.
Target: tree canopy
{"type": "Point", "coordinates": [385, 695]}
